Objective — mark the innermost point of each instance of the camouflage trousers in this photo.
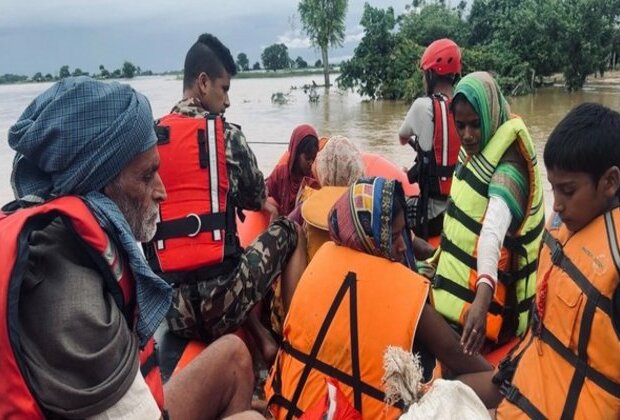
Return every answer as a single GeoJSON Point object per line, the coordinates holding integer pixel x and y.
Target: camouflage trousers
{"type": "Point", "coordinates": [224, 301]}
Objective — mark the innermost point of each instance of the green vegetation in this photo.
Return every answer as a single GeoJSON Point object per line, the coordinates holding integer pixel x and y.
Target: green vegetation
{"type": "Point", "coordinates": [300, 63]}
{"type": "Point", "coordinates": [243, 64]}
{"type": "Point", "coordinates": [520, 41]}
{"type": "Point", "coordinates": [275, 57]}
{"type": "Point", "coordinates": [323, 22]}
{"type": "Point", "coordinates": [283, 73]}
{"type": "Point", "coordinates": [128, 71]}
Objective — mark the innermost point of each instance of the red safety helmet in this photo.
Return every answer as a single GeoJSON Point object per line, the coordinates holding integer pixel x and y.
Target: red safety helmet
{"type": "Point", "coordinates": [442, 56]}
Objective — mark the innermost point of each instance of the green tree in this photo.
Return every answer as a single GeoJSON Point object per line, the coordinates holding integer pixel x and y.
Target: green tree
{"type": "Point", "coordinates": [78, 72]}
{"type": "Point", "coordinates": [533, 33]}
{"type": "Point", "coordinates": [323, 22]}
{"type": "Point", "coordinates": [64, 72]}
{"type": "Point", "coordinates": [275, 57]}
{"type": "Point", "coordinates": [116, 74]}
{"type": "Point", "coordinates": [434, 22]}
{"type": "Point", "coordinates": [256, 66]}
{"type": "Point", "coordinates": [300, 63]}
{"type": "Point", "coordinates": [587, 39]}
{"type": "Point", "coordinates": [49, 77]}
{"type": "Point", "coordinates": [38, 77]}
{"type": "Point", "coordinates": [318, 63]}
{"type": "Point", "coordinates": [129, 70]}
{"type": "Point", "coordinates": [367, 70]}
{"type": "Point", "coordinates": [103, 73]}
{"type": "Point", "coordinates": [243, 64]}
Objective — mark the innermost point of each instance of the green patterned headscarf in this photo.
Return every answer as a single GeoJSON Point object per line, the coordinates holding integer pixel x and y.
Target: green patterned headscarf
{"type": "Point", "coordinates": [484, 95]}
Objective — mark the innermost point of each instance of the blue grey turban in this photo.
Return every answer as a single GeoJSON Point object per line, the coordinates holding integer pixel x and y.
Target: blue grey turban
{"type": "Point", "coordinates": [75, 138]}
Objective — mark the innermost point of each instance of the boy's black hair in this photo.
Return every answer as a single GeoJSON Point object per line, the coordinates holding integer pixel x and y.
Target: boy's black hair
{"type": "Point", "coordinates": [207, 55]}
{"type": "Point", "coordinates": [308, 146]}
{"type": "Point", "coordinates": [586, 140]}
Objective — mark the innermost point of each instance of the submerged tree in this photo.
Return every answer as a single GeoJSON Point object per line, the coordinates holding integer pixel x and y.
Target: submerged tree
{"type": "Point", "coordinates": [323, 22]}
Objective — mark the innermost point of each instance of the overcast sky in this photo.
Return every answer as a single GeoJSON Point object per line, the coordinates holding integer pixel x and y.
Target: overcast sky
{"type": "Point", "coordinates": [38, 35]}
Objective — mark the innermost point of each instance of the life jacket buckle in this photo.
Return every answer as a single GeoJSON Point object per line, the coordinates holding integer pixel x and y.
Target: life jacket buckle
{"type": "Point", "coordinates": [198, 228]}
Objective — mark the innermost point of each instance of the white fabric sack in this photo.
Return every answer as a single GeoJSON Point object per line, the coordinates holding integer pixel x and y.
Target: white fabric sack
{"type": "Point", "coordinates": [447, 400]}
{"type": "Point", "coordinates": [443, 399]}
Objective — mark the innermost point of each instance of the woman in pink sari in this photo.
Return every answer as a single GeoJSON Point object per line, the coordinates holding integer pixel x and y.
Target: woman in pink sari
{"type": "Point", "coordinates": [284, 182]}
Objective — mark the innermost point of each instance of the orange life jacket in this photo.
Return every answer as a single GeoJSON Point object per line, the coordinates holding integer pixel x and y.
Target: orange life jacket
{"type": "Point", "coordinates": [347, 308]}
{"type": "Point", "coordinates": [197, 225]}
{"type": "Point", "coordinates": [17, 400]}
{"type": "Point", "coordinates": [568, 365]}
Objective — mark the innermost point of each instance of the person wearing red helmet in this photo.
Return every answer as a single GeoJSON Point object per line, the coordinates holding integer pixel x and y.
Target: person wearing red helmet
{"type": "Point", "coordinates": [429, 128]}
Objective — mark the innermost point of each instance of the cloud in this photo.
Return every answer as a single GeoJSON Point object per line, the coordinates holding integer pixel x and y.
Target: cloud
{"type": "Point", "coordinates": [294, 41]}
{"type": "Point", "coordinates": [355, 35]}
{"type": "Point", "coordinates": [340, 58]}
{"type": "Point", "coordinates": [103, 12]}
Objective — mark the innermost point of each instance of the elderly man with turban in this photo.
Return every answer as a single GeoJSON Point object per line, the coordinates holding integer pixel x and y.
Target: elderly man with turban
{"type": "Point", "coordinates": [78, 302]}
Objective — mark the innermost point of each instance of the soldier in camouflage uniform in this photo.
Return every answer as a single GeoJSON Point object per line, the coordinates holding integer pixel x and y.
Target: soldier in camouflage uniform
{"type": "Point", "coordinates": [224, 300]}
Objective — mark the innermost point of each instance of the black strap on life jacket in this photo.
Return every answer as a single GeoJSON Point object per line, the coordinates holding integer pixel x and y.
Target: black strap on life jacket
{"type": "Point", "coordinates": [512, 243]}
{"type": "Point", "coordinates": [463, 293]}
{"type": "Point", "coordinates": [506, 277]}
{"type": "Point", "coordinates": [465, 174]}
{"type": "Point", "coordinates": [311, 360]}
{"type": "Point", "coordinates": [191, 225]}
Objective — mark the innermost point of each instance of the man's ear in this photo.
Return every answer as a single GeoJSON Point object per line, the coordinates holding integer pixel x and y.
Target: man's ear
{"type": "Point", "coordinates": [203, 81]}
{"type": "Point", "coordinates": [611, 181]}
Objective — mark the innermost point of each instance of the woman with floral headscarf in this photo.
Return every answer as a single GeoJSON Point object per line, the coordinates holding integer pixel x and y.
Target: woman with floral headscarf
{"type": "Point", "coordinates": [357, 297]}
{"type": "Point", "coordinates": [485, 278]}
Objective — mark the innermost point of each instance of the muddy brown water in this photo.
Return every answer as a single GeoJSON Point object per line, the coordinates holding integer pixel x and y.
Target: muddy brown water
{"type": "Point", "coordinates": [373, 125]}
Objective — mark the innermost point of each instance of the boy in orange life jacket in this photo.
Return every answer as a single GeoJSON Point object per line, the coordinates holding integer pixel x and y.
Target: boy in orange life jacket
{"type": "Point", "coordinates": [568, 365]}
{"type": "Point", "coordinates": [210, 173]}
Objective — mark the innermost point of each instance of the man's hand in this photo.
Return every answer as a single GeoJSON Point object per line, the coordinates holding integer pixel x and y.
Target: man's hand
{"type": "Point", "coordinates": [475, 328]}
{"type": "Point", "coordinates": [403, 140]}
{"type": "Point", "coordinates": [271, 207]}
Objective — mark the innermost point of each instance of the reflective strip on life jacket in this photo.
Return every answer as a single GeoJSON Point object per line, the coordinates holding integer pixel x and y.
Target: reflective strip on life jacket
{"type": "Point", "coordinates": [335, 337]}
{"type": "Point", "coordinates": [575, 355]}
{"type": "Point", "coordinates": [446, 144]}
{"type": "Point", "coordinates": [455, 283]}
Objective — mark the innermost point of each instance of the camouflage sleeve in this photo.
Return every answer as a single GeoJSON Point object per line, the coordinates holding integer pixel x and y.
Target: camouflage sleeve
{"type": "Point", "coordinates": [247, 181]}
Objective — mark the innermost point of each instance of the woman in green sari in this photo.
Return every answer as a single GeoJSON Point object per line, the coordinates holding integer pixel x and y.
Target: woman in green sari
{"type": "Point", "coordinates": [485, 277]}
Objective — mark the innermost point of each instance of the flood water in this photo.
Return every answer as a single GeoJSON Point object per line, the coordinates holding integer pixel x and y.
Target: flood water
{"type": "Point", "coordinates": [373, 125]}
